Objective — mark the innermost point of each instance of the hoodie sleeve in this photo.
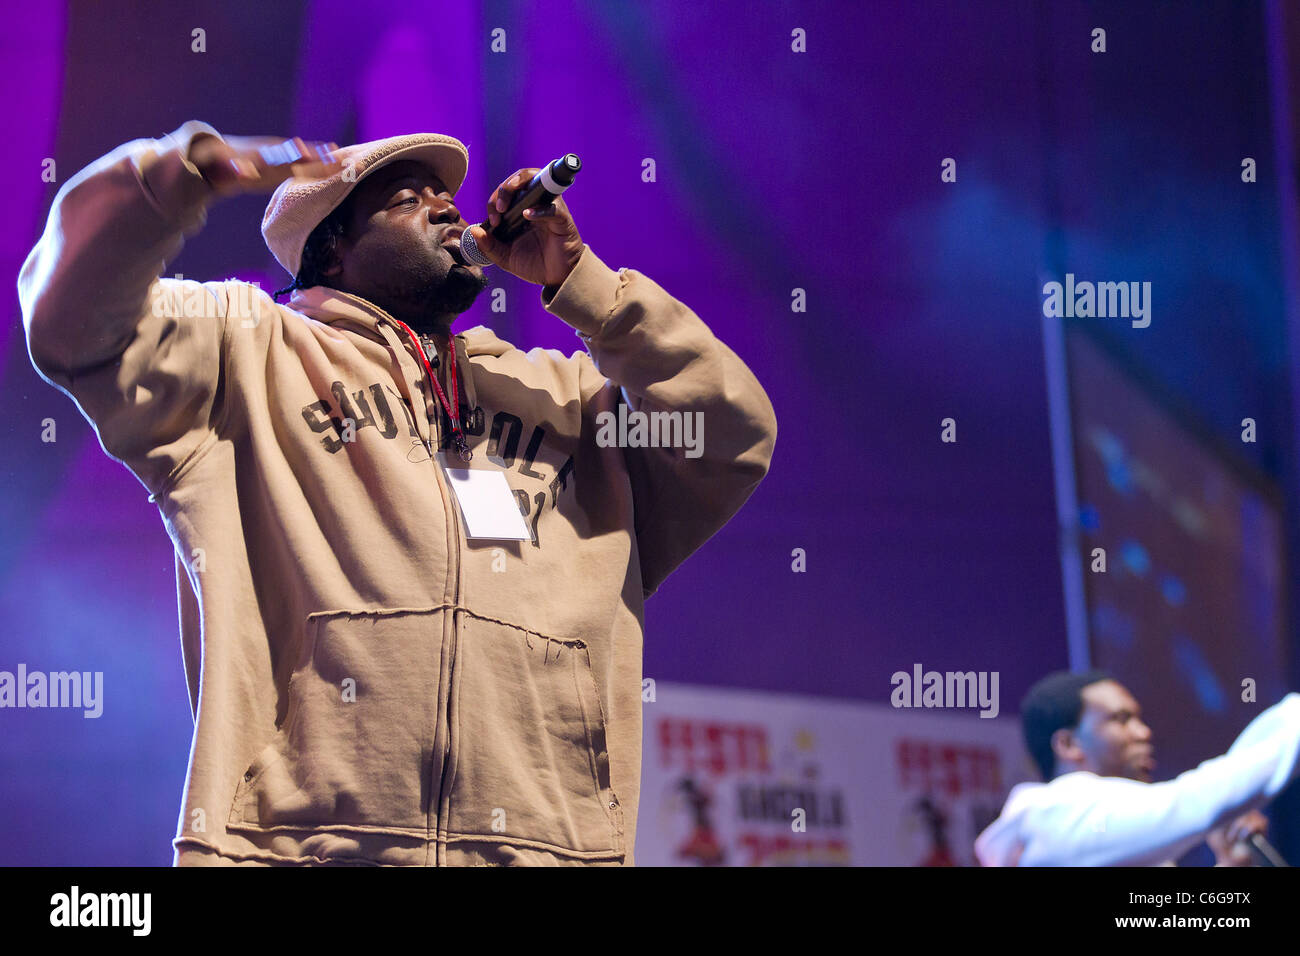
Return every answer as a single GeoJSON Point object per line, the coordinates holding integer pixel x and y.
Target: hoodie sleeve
{"type": "Point", "coordinates": [1086, 820]}
{"type": "Point", "coordinates": [140, 355]}
{"type": "Point", "coordinates": [661, 357]}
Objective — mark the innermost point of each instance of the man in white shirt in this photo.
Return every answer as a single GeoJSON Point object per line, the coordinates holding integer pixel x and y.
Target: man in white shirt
{"type": "Point", "coordinates": [1099, 806]}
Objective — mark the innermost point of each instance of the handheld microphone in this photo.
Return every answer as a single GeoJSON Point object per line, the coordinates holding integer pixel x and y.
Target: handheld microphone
{"type": "Point", "coordinates": [550, 181]}
{"type": "Point", "coordinates": [1264, 851]}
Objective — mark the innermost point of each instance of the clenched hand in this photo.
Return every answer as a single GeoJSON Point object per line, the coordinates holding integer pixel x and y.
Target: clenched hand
{"type": "Point", "coordinates": [257, 164]}
{"type": "Point", "coordinates": [546, 253]}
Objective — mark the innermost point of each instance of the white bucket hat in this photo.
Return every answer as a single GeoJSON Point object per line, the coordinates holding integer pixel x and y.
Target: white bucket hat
{"type": "Point", "coordinates": [298, 205]}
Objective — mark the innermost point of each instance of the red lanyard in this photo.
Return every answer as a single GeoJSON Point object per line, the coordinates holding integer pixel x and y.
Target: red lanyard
{"type": "Point", "coordinates": [458, 435]}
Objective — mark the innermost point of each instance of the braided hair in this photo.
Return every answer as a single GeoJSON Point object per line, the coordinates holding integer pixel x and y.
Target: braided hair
{"type": "Point", "coordinates": [318, 251]}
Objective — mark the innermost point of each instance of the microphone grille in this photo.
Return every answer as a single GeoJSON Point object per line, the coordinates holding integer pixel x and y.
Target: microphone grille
{"type": "Point", "coordinates": [470, 251]}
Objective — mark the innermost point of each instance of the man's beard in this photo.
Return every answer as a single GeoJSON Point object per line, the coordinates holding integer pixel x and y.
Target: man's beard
{"type": "Point", "coordinates": [454, 294]}
{"type": "Point", "coordinates": [457, 292]}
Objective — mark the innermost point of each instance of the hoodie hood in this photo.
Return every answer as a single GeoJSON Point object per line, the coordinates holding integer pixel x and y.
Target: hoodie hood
{"type": "Point", "coordinates": [346, 311]}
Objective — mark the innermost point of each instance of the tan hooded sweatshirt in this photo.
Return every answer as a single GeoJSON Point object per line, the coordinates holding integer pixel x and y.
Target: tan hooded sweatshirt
{"type": "Point", "coordinates": [368, 685]}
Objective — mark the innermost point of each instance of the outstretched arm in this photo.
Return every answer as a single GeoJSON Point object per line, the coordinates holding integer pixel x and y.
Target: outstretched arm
{"type": "Point", "coordinates": [1110, 821]}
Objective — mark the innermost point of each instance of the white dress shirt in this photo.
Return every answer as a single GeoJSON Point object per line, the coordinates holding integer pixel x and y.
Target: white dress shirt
{"type": "Point", "coordinates": [1082, 819]}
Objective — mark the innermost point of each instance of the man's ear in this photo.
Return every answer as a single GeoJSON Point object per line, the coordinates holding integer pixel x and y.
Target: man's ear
{"type": "Point", "coordinates": [1065, 745]}
{"type": "Point", "coordinates": [334, 251]}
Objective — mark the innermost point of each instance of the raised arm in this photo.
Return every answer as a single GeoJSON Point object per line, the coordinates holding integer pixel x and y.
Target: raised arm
{"type": "Point", "coordinates": [1110, 821]}
{"type": "Point", "coordinates": [113, 225]}
{"type": "Point", "coordinates": [140, 355]}
{"type": "Point", "coordinates": [654, 352]}
{"type": "Point", "coordinates": [661, 357]}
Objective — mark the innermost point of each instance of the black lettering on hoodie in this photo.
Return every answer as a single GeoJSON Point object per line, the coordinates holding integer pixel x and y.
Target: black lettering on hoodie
{"type": "Point", "coordinates": [499, 420]}
{"type": "Point", "coordinates": [309, 413]}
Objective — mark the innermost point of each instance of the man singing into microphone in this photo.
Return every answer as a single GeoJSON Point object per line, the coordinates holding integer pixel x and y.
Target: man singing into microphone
{"type": "Point", "coordinates": [1099, 806]}
{"type": "Point", "coordinates": [411, 567]}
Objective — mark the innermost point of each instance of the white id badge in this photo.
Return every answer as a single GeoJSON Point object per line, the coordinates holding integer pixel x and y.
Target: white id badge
{"type": "Point", "coordinates": [486, 502]}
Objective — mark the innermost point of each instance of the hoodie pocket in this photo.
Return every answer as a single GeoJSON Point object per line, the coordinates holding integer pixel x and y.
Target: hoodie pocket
{"type": "Point", "coordinates": [355, 750]}
{"type": "Point", "coordinates": [529, 745]}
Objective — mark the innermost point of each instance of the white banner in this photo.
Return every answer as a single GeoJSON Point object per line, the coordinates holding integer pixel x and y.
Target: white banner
{"type": "Point", "coordinates": [744, 778]}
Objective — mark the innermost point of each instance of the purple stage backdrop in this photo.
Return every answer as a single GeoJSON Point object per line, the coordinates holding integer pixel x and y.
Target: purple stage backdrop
{"type": "Point", "coordinates": [798, 204]}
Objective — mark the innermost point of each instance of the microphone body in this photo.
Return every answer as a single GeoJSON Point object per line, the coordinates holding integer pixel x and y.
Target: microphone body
{"type": "Point", "coordinates": [551, 181]}
{"type": "Point", "coordinates": [1264, 851]}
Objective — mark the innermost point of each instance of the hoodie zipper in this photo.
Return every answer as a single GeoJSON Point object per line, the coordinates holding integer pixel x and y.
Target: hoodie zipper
{"type": "Point", "coordinates": [453, 557]}
{"type": "Point", "coordinates": [448, 771]}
